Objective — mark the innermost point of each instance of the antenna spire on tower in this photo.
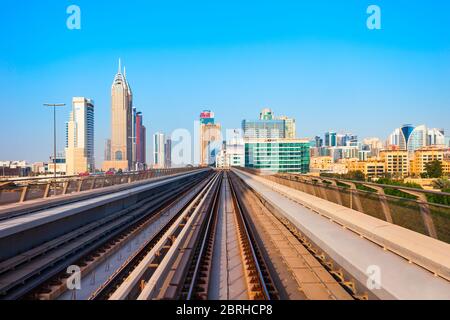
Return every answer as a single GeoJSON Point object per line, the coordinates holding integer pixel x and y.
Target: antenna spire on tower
{"type": "Point", "coordinates": [120, 66]}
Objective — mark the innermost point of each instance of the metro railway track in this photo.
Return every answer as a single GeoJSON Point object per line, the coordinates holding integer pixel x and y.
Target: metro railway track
{"type": "Point", "coordinates": [108, 288]}
{"type": "Point", "coordinates": [183, 268]}
{"type": "Point", "coordinates": [146, 280]}
{"type": "Point", "coordinates": [255, 275]}
{"type": "Point", "coordinates": [28, 271]}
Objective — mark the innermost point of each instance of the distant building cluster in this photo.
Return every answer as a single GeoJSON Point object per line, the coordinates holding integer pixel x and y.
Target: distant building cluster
{"type": "Point", "coordinates": [406, 153]}
{"type": "Point", "coordinates": [268, 144]}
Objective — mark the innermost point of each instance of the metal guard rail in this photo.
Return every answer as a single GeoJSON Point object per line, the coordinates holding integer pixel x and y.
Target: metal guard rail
{"type": "Point", "coordinates": [416, 214]}
{"type": "Point", "coordinates": [17, 191]}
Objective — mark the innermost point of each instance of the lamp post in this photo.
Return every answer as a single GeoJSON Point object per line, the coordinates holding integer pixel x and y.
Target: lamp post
{"type": "Point", "coordinates": [54, 105]}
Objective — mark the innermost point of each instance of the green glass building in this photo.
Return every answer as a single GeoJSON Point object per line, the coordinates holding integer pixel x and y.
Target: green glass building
{"type": "Point", "coordinates": [278, 155]}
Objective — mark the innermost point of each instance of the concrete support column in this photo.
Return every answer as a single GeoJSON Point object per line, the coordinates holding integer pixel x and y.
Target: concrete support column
{"type": "Point", "coordinates": [47, 190]}
{"type": "Point", "coordinates": [80, 185]}
{"type": "Point", "coordinates": [336, 191]}
{"type": "Point", "coordinates": [384, 203]}
{"type": "Point", "coordinates": [424, 211]}
{"type": "Point", "coordinates": [65, 187]}
{"type": "Point", "coordinates": [322, 191]}
{"type": "Point", "coordinates": [93, 183]}
{"type": "Point", "coordinates": [23, 195]}
{"type": "Point", "coordinates": [355, 202]}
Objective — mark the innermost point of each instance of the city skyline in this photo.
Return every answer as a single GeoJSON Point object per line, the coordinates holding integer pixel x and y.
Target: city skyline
{"type": "Point", "coordinates": [370, 84]}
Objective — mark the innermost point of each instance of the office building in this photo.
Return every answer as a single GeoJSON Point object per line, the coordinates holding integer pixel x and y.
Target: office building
{"type": "Point", "coordinates": [210, 138]}
{"type": "Point", "coordinates": [140, 142]}
{"type": "Point", "coordinates": [266, 127]}
{"type": "Point", "coordinates": [318, 142]}
{"type": "Point", "coordinates": [207, 117]}
{"type": "Point", "coordinates": [168, 153]}
{"type": "Point", "coordinates": [159, 157]}
{"type": "Point", "coordinates": [436, 137]}
{"type": "Point", "coordinates": [121, 124]}
{"type": "Point", "coordinates": [80, 137]}
{"type": "Point", "coordinates": [59, 162]}
{"type": "Point", "coordinates": [266, 114]}
{"type": "Point", "coordinates": [330, 139]}
{"type": "Point", "coordinates": [278, 155]}
{"type": "Point", "coordinates": [107, 155]}
{"type": "Point", "coordinates": [290, 129]}
{"type": "Point", "coordinates": [375, 145]}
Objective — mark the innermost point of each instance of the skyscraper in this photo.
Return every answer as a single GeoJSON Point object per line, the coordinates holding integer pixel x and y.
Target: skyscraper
{"type": "Point", "coordinates": [206, 117]}
{"type": "Point", "coordinates": [140, 141]}
{"type": "Point", "coordinates": [266, 114]}
{"type": "Point", "coordinates": [330, 139]}
{"type": "Point", "coordinates": [436, 137]}
{"type": "Point", "coordinates": [107, 150]}
{"type": "Point", "coordinates": [159, 151]}
{"type": "Point", "coordinates": [80, 137]}
{"type": "Point", "coordinates": [168, 153]}
{"type": "Point", "coordinates": [133, 138]}
{"type": "Point", "coordinates": [121, 124]}
{"type": "Point", "coordinates": [210, 139]}
{"type": "Point", "coordinates": [289, 127]}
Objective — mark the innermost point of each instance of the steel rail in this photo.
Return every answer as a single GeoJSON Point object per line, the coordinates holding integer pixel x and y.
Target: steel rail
{"type": "Point", "coordinates": [242, 221]}
{"type": "Point", "coordinates": [113, 282]}
{"type": "Point", "coordinates": [158, 276]}
{"type": "Point", "coordinates": [208, 232]}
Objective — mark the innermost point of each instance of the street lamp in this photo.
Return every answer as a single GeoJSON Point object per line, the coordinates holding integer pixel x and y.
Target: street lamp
{"type": "Point", "coordinates": [54, 105]}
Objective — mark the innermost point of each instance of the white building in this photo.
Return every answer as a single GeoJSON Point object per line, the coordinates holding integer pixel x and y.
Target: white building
{"type": "Point", "coordinates": [80, 137]}
{"type": "Point", "coordinates": [436, 137]}
{"type": "Point", "coordinates": [375, 145]}
{"type": "Point", "coordinates": [159, 156]}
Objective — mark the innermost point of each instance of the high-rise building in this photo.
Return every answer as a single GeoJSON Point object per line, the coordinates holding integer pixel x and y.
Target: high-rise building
{"type": "Point", "coordinates": [269, 127]}
{"type": "Point", "coordinates": [412, 138]}
{"type": "Point", "coordinates": [107, 156]}
{"type": "Point", "coordinates": [121, 124]}
{"type": "Point", "coordinates": [206, 117]}
{"type": "Point", "coordinates": [394, 139]}
{"type": "Point", "coordinates": [266, 114]}
{"type": "Point", "coordinates": [277, 155]}
{"type": "Point", "coordinates": [168, 153]}
{"type": "Point", "coordinates": [133, 138]}
{"type": "Point", "coordinates": [210, 138]}
{"type": "Point", "coordinates": [375, 145]}
{"type": "Point", "coordinates": [330, 139]}
{"type": "Point", "coordinates": [263, 129]}
{"type": "Point", "coordinates": [318, 142]}
{"type": "Point", "coordinates": [289, 127]}
{"type": "Point", "coordinates": [210, 143]}
{"type": "Point", "coordinates": [80, 137]}
{"type": "Point", "coordinates": [436, 137]}
{"type": "Point", "coordinates": [140, 142]}
{"type": "Point", "coordinates": [159, 151]}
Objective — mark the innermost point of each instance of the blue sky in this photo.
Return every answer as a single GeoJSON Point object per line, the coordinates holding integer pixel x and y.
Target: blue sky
{"type": "Point", "coordinates": [313, 60]}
